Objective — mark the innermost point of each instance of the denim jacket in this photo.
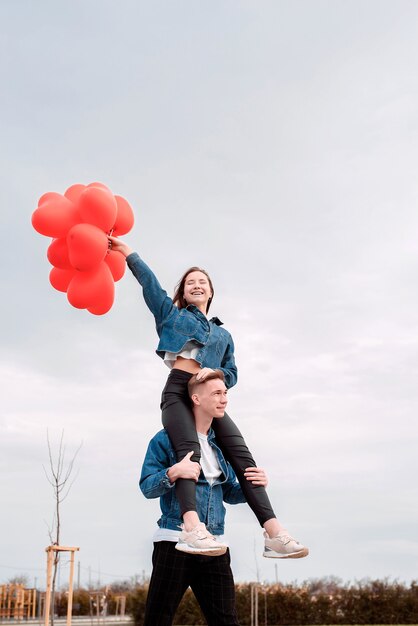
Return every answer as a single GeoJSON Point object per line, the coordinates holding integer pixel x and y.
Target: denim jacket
{"type": "Point", "coordinates": [154, 483]}
{"type": "Point", "coordinates": [175, 327]}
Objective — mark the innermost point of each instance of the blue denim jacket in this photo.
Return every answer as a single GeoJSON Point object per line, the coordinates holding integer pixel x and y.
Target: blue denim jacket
{"type": "Point", "coordinates": [154, 483]}
{"type": "Point", "coordinates": [175, 327]}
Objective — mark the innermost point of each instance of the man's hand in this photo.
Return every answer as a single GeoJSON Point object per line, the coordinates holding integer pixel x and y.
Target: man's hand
{"type": "Point", "coordinates": [256, 475]}
{"type": "Point", "coordinates": [184, 469]}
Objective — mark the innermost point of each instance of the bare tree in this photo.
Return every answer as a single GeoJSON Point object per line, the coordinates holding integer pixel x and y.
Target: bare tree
{"type": "Point", "coordinates": [59, 476]}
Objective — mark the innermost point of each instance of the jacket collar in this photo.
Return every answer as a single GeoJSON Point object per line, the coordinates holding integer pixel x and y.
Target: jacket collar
{"type": "Point", "coordinates": [216, 320]}
{"type": "Point", "coordinates": [195, 310]}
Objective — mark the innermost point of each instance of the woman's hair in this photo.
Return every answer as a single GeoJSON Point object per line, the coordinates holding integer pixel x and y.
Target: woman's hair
{"type": "Point", "coordinates": [178, 297]}
{"type": "Point", "coordinates": [194, 383]}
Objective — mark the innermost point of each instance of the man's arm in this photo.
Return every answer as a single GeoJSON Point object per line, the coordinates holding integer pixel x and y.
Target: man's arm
{"type": "Point", "coordinates": [159, 474]}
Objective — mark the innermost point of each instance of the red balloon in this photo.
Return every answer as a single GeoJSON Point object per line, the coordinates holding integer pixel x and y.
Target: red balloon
{"type": "Point", "coordinates": [106, 301]}
{"type": "Point", "coordinates": [49, 195]}
{"type": "Point", "coordinates": [58, 254]}
{"type": "Point", "coordinates": [101, 185]}
{"type": "Point", "coordinates": [55, 215]}
{"type": "Point", "coordinates": [60, 279]}
{"type": "Point", "coordinates": [79, 222]}
{"type": "Point", "coordinates": [124, 218]}
{"type": "Point", "coordinates": [74, 192]}
{"type": "Point", "coordinates": [98, 206]}
{"type": "Point", "coordinates": [92, 289]}
{"type": "Point", "coordinates": [87, 246]}
{"type": "Point", "coordinates": [117, 264]}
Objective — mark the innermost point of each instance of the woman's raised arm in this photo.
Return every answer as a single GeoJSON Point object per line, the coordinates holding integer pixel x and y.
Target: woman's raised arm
{"type": "Point", "coordinates": [156, 298]}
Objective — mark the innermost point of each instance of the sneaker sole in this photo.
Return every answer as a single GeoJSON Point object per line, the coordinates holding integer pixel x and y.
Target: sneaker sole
{"type": "Point", "coordinates": [271, 554]}
{"type": "Point", "coordinates": [201, 551]}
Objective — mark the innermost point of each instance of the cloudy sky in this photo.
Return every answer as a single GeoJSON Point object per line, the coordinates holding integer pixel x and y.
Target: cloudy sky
{"type": "Point", "coordinates": [274, 143]}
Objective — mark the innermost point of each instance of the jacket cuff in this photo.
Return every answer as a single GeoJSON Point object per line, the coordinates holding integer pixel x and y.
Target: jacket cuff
{"type": "Point", "coordinates": [166, 480]}
{"type": "Point", "coordinates": [131, 258]}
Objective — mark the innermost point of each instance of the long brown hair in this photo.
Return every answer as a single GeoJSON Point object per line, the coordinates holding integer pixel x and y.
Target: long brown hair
{"type": "Point", "coordinates": [178, 297]}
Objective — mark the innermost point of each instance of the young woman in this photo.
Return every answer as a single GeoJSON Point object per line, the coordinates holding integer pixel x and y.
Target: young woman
{"type": "Point", "coordinates": [190, 343]}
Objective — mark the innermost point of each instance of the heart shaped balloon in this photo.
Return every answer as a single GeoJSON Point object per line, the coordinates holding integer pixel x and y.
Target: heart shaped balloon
{"type": "Point", "coordinates": [79, 223]}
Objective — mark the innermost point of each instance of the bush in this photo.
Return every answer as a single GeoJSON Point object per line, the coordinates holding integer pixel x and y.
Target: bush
{"type": "Point", "coordinates": [325, 601]}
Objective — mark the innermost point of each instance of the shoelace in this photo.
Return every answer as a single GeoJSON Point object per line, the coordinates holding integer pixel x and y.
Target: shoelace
{"type": "Point", "coordinates": [201, 534]}
{"type": "Point", "coordinates": [285, 539]}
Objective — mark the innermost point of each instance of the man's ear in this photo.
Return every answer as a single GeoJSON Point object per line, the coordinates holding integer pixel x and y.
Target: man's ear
{"type": "Point", "coordinates": [195, 399]}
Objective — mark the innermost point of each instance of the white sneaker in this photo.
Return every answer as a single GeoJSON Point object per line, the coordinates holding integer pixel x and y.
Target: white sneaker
{"type": "Point", "coordinates": [283, 547]}
{"type": "Point", "coordinates": [200, 541]}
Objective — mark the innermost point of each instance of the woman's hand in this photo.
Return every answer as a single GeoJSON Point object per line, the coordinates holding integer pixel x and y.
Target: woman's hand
{"type": "Point", "coordinates": [256, 475]}
{"type": "Point", "coordinates": [201, 375]}
{"type": "Point", "coordinates": [119, 246]}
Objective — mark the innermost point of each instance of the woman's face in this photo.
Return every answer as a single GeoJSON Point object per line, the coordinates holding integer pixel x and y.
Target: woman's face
{"type": "Point", "coordinates": [197, 290]}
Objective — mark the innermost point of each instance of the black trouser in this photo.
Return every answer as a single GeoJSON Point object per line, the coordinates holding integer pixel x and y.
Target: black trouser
{"type": "Point", "coordinates": [209, 577]}
{"type": "Point", "coordinates": [178, 420]}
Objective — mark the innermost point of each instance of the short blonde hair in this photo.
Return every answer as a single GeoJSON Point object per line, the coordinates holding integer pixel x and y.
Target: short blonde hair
{"type": "Point", "coordinates": [194, 382]}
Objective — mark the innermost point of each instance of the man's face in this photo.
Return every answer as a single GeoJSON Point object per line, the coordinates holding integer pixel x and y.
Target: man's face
{"type": "Point", "coordinates": [211, 396]}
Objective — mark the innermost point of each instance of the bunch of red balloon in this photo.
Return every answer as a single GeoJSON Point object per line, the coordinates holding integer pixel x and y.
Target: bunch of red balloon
{"type": "Point", "coordinates": [79, 222]}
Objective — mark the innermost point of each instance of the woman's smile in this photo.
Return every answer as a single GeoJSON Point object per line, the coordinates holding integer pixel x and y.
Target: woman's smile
{"type": "Point", "coordinates": [197, 289]}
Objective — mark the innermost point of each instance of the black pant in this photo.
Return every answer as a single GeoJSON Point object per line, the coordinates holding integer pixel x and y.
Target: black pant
{"type": "Point", "coordinates": [209, 577]}
{"type": "Point", "coordinates": [178, 420]}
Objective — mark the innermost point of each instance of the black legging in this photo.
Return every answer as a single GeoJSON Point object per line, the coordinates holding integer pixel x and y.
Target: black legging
{"type": "Point", "coordinates": [178, 420]}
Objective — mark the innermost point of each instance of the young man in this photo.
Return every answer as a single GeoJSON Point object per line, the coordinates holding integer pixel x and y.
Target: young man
{"type": "Point", "coordinates": [207, 571]}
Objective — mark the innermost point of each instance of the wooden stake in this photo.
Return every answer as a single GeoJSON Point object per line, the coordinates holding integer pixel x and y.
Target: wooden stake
{"type": "Point", "coordinates": [50, 558]}
{"type": "Point", "coordinates": [70, 590]}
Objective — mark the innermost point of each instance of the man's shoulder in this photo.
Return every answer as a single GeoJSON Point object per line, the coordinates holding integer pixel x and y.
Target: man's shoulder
{"type": "Point", "coordinates": [159, 446]}
{"type": "Point", "coordinates": [162, 437]}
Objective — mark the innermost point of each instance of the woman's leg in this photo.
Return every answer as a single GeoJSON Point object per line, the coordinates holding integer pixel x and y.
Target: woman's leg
{"type": "Point", "coordinates": [232, 444]}
{"type": "Point", "coordinates": [178, 420]}
{"type": "Point", "coordinates": [278, 542]}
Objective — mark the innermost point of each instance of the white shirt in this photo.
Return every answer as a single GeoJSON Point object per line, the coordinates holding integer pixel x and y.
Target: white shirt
{"type": "Point", "coordinates": [189, 351]}
{"type": "Point", "coordinates": [208, 460]}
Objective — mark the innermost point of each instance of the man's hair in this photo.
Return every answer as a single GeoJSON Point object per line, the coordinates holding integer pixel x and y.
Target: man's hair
{"type": "Point", "coordinates": [194, 383]}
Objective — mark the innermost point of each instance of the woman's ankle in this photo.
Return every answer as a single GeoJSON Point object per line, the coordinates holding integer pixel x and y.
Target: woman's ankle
{"type": "Point", "coordinates": [190, 520]}
{"type": "Point", "coordinates": [273, 527]}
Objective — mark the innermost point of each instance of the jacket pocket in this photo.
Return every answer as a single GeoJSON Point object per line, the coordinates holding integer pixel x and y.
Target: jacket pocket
{"type": "Point", "coordinates": [186, 323]}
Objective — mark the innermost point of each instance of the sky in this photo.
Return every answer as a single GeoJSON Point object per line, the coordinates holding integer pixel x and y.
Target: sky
{"type": "Point", "coordinates": [274, 143]}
